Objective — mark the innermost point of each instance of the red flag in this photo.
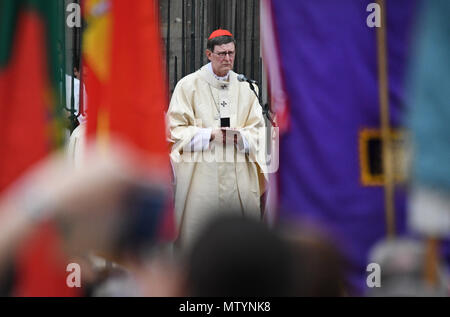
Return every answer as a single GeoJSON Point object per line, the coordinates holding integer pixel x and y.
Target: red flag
{"type": "Point", "coordinates": [138, 88]}
{"type": "Point", "coordinates": [126, 86]}
{"type": "Point", "coordinates": [22, 105]}
{"type": "Point", "coordinates": [27, 110]}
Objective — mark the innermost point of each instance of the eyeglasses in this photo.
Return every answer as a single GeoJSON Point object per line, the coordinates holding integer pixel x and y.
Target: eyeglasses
{"type": "Point", "coordinates": [224, 54]}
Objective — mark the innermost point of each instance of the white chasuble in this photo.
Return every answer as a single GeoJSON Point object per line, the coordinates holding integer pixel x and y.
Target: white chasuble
{"type": "Point", "coordinates": [213, 178]}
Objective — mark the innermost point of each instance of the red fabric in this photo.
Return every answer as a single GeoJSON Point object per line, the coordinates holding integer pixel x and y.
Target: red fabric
{"type": "Point", "coordinates": [95, 94]}
{"type": "Point", "coordinates": [138, 92]}
{"type": "Point", "coordinates": [41, 266]}
{"type": "Point", "coordinates": [23, 109]}
{"type": "Point", "coordinates": [220, 32]}
{"type": "Point", "coordinates": [24, 140]}
{"type": "Point", "coordinates": [135, 96]}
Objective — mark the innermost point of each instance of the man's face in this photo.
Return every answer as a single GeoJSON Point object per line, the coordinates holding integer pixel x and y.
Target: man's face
{"type": "Point", "coordinates": [222, 58]}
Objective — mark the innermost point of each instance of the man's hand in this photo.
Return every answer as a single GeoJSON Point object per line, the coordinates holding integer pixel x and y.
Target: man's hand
{"type": "Point", "coordinates": [218, 135]}
{"type": "Point", "coordinates": [228, 136]}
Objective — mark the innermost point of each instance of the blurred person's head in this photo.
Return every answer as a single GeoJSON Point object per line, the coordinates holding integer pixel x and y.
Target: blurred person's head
{"type": "Point", "coordinates": [117, 207]}
{"type": "Point", "coordinates": [221, 51]}
{"type": "Point", "coordinates": [319, 267]}
{"type": "Point", "coordinates": [114, 207]}
{"type": "Point", "coordinates": [234, 256]}
{"type": "Point", "coordinates": [131, 229]}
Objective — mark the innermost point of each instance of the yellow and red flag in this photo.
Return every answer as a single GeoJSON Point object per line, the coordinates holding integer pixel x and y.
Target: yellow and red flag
{"type": "Point", "coordinates": [126, 88]}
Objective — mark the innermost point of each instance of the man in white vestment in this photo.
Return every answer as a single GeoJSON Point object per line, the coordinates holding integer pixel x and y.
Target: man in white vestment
{"type": "Point", "coordinates": [215, 124]}
{"type": "Point", "coordinates": [76, 95]}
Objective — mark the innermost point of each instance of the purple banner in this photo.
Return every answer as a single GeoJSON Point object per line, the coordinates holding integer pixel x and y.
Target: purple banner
{"type": "Point", "coordinates": [329, 64]}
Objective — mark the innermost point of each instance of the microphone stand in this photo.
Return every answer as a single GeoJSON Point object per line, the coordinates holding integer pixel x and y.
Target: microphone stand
{"type": "Point", "coordinates": [265, 109]}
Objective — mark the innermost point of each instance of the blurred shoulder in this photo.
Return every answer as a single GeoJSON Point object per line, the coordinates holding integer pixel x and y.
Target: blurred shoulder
{"type": "Point", "coordinates": [189, 81]}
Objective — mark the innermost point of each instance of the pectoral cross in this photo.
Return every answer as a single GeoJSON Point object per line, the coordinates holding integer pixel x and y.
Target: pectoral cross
{"type": "Point", "coordinates": [223, 104]}
{"type": "Point", "coordinates": [224, 86]}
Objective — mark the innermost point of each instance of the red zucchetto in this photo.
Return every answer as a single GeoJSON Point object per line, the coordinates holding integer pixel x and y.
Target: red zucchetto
{"type": "Point", "coordinates": [220, 32]}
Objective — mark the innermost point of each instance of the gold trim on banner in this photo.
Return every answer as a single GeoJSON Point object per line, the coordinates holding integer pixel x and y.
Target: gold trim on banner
{"type": "Point", "coordinates": [368, 176]}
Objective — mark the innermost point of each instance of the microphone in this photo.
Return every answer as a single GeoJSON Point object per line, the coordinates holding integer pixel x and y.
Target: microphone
{"type": "Point", "coordinates": [242, 78]}
{"type": "Point", "coordinates": [251, 82]}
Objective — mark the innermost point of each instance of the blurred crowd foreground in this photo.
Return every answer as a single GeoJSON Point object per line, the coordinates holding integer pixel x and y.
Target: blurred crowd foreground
{"type": "Point", "coordinates": [109, 216]}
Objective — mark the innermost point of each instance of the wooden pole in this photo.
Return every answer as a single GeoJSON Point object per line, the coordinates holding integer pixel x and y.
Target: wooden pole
{"type": "Point", "coordinates": [389, 186]}
{"type": "Point", "coordinates": [431, 262]}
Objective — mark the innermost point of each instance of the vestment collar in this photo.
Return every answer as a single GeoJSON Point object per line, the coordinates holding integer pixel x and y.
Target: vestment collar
{"type": "Point", "coordinates": [211, 79]}
{"type": "Point", "coordinates": [224, 78]}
